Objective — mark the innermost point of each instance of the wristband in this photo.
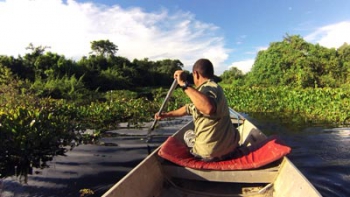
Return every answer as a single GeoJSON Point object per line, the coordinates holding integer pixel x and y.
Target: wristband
{"type": "Point", "coordinates": [184, 87]}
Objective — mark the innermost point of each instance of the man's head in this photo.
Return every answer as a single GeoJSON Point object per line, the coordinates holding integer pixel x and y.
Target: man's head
{"type": "Point", "coordinates": [202, 70]}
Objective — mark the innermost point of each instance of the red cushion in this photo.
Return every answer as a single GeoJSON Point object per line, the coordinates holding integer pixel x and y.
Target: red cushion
{"type": "Point", "coordinates": [244, 158]}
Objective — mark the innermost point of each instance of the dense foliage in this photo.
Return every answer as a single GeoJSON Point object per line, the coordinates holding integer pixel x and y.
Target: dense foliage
{"type": "Point", "coordinates": [47, 102]}
{"type": "Point", "coordinates": [33, 130]}
{"type": "Point", "coordinates": [52, 75]}
{"type": "Point", "coordinates": [325, 105]}
{"type": "Point", "coordinates": [294, 62]}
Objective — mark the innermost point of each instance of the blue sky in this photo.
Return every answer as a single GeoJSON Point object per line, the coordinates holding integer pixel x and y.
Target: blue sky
{"type": "Point", "coordinates": [228, 32]}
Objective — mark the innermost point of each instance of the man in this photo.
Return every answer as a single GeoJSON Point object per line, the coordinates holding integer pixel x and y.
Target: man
{"type": "Point", "coordinates": [215, 138]}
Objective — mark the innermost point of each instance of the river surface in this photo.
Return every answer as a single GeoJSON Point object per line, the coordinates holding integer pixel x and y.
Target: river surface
{"type": "Point", "coordinates": [321, 153]}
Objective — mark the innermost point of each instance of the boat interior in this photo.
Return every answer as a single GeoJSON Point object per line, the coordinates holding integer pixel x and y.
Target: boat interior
{"type": "Point", "coordinates": [187, 182]}
{"type": "Point", "coordinates": [158, 177]}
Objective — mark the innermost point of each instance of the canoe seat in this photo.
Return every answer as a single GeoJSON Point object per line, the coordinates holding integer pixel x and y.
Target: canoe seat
{"type": "Point", "coordinates": [251, 157]}
{"type": "Point", "coordinates": [266, 174]}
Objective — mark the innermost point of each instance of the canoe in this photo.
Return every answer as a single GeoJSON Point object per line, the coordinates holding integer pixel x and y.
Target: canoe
{"type": "Point", "coordinates": [158, 177]}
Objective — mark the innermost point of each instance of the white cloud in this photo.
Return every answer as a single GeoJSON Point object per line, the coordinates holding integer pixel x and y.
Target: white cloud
{"type": "Point", "coordinates": [245, 65]}
{"type": "Point", "coordinates": [331, 36]}
{"type": "Point", "coordinates": [261, 48]}
{"type": "Point", "coordinates": [68, 27]}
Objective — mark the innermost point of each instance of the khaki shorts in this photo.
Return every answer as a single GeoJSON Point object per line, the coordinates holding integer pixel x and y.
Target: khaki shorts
{"type": "Point", "coordinates": [190, 138]}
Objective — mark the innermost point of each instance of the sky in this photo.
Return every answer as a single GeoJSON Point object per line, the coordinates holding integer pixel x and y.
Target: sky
{"type": "Point", "coordinates": [228, 32]}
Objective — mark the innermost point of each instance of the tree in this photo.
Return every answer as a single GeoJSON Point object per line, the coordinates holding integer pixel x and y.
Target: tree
{"type": "Point", "coordinates": [165, 70]}
{"type": "Point", "coordinates": [36, 51]}
{"type": "Point", "coordinates": [104, 48]}
{"type": "Point", "coordinates": [229, 76]}
{"type": "Point", "coordinates": [35, 62]}
{"type": "Point", "coordinates": [5, 75]}
{"type": "Point", "coordinates": [343, 54]}
{"type": "Point", "coordinates": [295, 62]}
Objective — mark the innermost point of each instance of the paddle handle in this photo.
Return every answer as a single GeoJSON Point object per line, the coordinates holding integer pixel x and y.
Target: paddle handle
{"type": "Point", "coordinates": [172, 88]}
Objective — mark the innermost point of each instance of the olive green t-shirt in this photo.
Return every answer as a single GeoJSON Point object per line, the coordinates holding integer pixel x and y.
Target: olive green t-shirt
{"type": "Point", "coordinates": [215, 134]}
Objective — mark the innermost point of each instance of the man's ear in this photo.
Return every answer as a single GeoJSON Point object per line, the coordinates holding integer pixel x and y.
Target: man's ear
{"type": "Point", "coordinates": [197, 74]}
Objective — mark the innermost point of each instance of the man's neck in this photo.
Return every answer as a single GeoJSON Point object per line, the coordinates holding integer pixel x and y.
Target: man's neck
{"type": "Point", "coordinates": [202, 81]}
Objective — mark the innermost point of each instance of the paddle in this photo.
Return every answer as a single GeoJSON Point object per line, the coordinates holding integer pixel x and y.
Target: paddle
{"type": "Point", "coordinates": [172, 88]}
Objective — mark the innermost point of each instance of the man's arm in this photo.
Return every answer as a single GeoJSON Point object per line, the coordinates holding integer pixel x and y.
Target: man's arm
{"type": "Point", "coordinates": [203, 103]}
{"type": "Point", "coordinates": [175, 113]}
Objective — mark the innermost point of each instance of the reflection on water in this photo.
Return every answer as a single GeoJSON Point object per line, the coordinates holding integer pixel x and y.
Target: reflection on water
{"type": "Point", "coordinates": [322, 153]}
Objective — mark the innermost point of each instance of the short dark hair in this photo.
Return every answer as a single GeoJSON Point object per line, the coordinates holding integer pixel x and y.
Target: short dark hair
{"type": "Point", "coordinates": [204, 67]}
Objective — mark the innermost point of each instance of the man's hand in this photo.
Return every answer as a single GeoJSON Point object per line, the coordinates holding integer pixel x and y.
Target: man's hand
{"type": "Point", "coordinates": [181, 77]}
{"type": "Point", "coordinates": [158, 116]}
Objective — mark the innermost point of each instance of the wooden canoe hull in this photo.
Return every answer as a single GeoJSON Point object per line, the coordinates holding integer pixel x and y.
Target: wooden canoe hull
{"type": "Point", "coordinates": [155, 177]}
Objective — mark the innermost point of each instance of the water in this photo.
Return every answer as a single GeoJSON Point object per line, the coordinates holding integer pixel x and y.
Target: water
{"type": "Point", "coordinates": [322, 154]}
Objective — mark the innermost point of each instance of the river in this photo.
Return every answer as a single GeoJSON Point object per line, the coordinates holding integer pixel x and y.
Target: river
{"type": "Point", "coordinates": [322, 154]}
